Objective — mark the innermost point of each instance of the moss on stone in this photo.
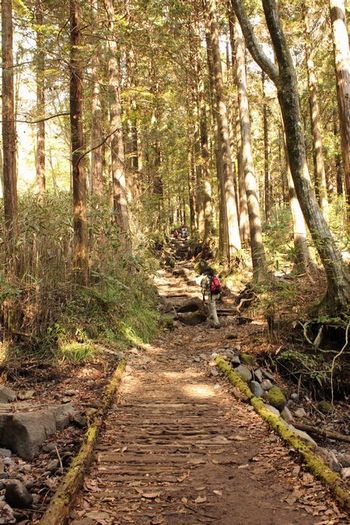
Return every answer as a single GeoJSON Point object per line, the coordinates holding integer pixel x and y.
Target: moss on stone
{"type": "Point", "coordinates": [276, 398]}
{"type": "Point", "coordinates": [248, 359]}
{"type": "Point", "coordinates": [325, 407]}
{"type": "Point", "coordinates": [313, 462]}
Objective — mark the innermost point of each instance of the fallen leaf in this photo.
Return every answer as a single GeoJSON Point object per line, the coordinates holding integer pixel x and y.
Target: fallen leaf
{"type": "Point", "coordinates": [150, 495]}
{"type": "Point", "coordinates": [218, 492]}
{"type": "Point", "coordinates": [98, 516]}
{"type": "Point", "coordinates": [182, 478]}
{"type": "Point", "coordinates": [200, 499]}
{"type": "Point", "coordinates": [157, 520]}
{"type": "Point", "coordinates": [184, 501]}
{"type": "Point", "coordinates": [124, 449]}
{"type": "Point", "coordinates": [238, 438]}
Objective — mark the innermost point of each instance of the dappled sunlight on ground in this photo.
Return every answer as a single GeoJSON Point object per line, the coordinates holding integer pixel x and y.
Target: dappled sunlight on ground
{"type": "Point", "coordinates": [199, 391]}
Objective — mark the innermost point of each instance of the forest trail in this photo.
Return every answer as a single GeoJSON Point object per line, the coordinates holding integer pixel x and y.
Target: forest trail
{"type": "Point", "coordinates": [179, 449]}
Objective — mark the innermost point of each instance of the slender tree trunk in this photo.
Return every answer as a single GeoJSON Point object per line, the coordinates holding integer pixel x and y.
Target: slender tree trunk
{"type": "Point", "coordinates": [302, 258]}
{"type": "Point", "coordinates": [342, 68]}
{"type": "Point", "coordinates": [8, 129]}
{"type": "Point", "coordinates": [40, 99]}
{"type": "Point", "coordinates": [338, 164]}
{"type": "Point", "coordinates": [223, 235]}
{"type": "Point", "coordinates": [120, 204]}
{"type": "Point", "coordinates": [96, 166]}
{"type": "Point", "coordinates": [77, 138]}
{"type": "Point", "coordinates": [320, 172]}
{"type": "Point", "coordinates": [256, 243]}
{"type": "Point", "coordinates": [267, 182]}
{"type": "Point", "coordinates": [234, 241]}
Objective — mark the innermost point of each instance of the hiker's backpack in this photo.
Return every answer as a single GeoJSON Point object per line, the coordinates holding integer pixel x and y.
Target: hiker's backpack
{"type": "Point", "coordinates": [215, 286]}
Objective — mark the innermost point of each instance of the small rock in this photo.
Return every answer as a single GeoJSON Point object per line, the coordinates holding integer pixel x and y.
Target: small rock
{"type": "Point", "coordinates": [325, 407]}
{"type": "Point", "coordinates": [276, 398]}
{"type": "Point", "coordinates": [197, 359]}
{"type": "Point", "coordinates": [4, 475]}
{"type": "Point", "coordinates": [330, 458]}
{"type": "Point", "coordinates": [268, 375]}
{"type": "Point", "coordinates": [244, 373]}
{"type": "Point", "coordinates": [247, 359]}
{"type": "Point", "coordinates": [294, 396]}
{"type": "Point", "coordinates": [70, 393]}
{"type": "Point", "coordinates": [266, 384]}
{"type": "Point", "coordinates": [7, 461]}
{"type": "Point", "coordinates": [7, 395]}
{"type": "Point", "coordinates": [49, 447]}
{"type": "Point", "coordinates": [235, 361]}
{"type": "Point", "coordinates": [214, 372]}
{"type": "Point", "coordinates": [287, 415]}
{"type": "Point", "coordinates": [6, 514]}
{"type": "Point", "coordinates": [344, 460]}
{"type": "Point", "coordinates": [203, 357]}
{"type": "Point", "coordinates": [5, 453]}
{"type": "Point", "coordinates": [256, 388]}
{"type": "Point", "coordinates": [300, 412]}
{"type": "Point", "coordinates": [302, 435]}
{"type": "Point", "coordinates": [214, 355]}
{"type": "Point", "coordinates": [345, 473]}
{"type": "Point", "coordinates": [272, 409]}
{"type": "Point", "coordinates": [17, 495]}
{"type": "Point", "coordinates": [258, 375]}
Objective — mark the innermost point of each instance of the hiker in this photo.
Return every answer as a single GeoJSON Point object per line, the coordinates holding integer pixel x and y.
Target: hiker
{"type": "Point", "coordinates": [183, 232]}
{"type": "Point", "coordinates": [211, 289]}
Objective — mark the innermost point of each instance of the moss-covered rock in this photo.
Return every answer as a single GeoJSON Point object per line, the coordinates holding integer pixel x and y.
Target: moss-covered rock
{"type": "Point", "coordinates": [276, 398]}
{"type": "Point", "coordinates": [248, 359]}
{"type": "Point", "coordinates": [325, 407]}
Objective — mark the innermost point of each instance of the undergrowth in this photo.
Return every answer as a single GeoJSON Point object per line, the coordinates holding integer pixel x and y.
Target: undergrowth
{"type": "Point", "coordinates": [43, 312]}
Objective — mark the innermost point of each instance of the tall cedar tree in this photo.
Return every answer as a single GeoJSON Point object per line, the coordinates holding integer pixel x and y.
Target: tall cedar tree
{"type": "Point", "coordinates": [8, 128]}
{"type": "Point", "coordinates": [337, 298]}
{"type": "Point", "coordinates": [80, 254]}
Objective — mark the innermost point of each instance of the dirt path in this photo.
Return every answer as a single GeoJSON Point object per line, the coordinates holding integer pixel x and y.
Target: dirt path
{"type": "Point", "coordinates": [179, 449]}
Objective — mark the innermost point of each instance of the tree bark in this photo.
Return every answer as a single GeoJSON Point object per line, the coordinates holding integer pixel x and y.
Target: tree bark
{"type": "Point", "coordinates": [256, 242]}
{"type": "Point", "coordinates": [320, 172]}
{"type": "Point", "coordinates": [267, 182]}
{"type": "Point", "coordinates": [342, 68]}
{"type": "Point", "coordinates": [80, 254]}
{"type": "Point", "coordinates": [40, 99]}
{"type": "Point", "coordinates": [337, 298]}
{"type": "Point", "coordinates": [96, 166]}
{"type": "Point", "coordinates": [8, 129]}
{"type": "Point", "coordinates": [234, 241]}
{"type": "Point", "coordinates": [120, 204]}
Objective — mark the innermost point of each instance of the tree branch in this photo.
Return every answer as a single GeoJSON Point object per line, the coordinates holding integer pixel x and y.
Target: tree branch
{"type": "Point", "coordinates": [63, 114]}
{"type": "Point", "coordinates": [252, 44]}
{"type": "Point", "coordinates": [98, 145]}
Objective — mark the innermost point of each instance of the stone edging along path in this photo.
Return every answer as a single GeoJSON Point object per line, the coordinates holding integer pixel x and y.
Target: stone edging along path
{"type": "Point", "coordinates": [62, 500]}
{"type": "Point", "coordinates": [313, 462]}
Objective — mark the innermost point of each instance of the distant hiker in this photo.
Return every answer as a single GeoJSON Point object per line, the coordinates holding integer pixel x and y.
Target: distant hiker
{"type": "Point", "coordinates": [183, 232]}
{"type": "Point", "coordinates": [211, 290]}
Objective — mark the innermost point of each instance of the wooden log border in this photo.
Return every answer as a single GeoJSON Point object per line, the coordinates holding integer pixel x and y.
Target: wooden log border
{"type": "Point", "coordinates": [311, 460]}
{"type": "Point", "coordinates": [63, 499]}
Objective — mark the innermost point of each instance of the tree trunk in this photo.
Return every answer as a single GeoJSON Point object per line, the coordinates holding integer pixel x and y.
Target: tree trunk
{"type": "Point", "coordinates": [40, 98]}
{"type": "Point", "coordinates": [337, 298]}
{"type": "Point", "coordinates": [223, 235]}
{"type": "Point", "coordinates": [267, 182]}
{"type": "Point", "coordinates": [8, 130]}
{"type": "Point", "coordinates": [302, 255]}
{"type": "Point", "coordinates": [320, 172]}
{"type": "Point", "coordinates": [80, 253]}
{"type": "Point", "coordinates": [96, 166]}
{"type": "Point", "coordinates": [234, 241]}
{"type": "Point", "coordinates": [338, 164]}
{"type": "Point", "coordinates": [120, 204]}
{"type": "Point", "coordinates": [342, 68]}
{"type": "Point", "coordinates": [256, 243]}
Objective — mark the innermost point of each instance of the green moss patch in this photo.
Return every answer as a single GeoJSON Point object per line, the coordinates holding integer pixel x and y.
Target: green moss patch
{"type": "Point", "coordinates": [276, 398]}
{"type": "Point", "coordinates": [313, 462]}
